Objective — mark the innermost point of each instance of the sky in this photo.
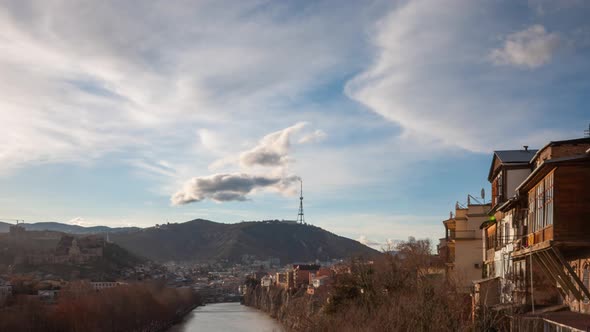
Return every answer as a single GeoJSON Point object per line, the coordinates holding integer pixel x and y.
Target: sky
{"type": "Point", "coordinates": [137, 113]}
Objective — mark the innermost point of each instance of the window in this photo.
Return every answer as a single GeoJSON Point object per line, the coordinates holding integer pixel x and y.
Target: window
{"type": "Point", "coordinates": [549, 200]}
{"type": "Point", "coordinates": [497, 187]}
{"type": "Point", "coordinates": [500, 187]}
{"type": "Point", "coordinates": [540, 192]}
{"type": "Point", "coordinates": [586, 279]}
{"type": "Point", "coordinates": [507, 237]}
{"type": "Point", "coordinates": [500, 236]}
{"type": "Point", "coordinates": [541, 205]}
{"type": "Point", "coordinates": [532, 211]}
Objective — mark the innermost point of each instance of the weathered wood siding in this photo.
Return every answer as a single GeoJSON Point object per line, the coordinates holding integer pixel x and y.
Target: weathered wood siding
{"type": "Point", "coordinates": [572, 203]}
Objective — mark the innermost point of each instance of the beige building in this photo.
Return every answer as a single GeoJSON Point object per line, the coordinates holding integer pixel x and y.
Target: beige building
{"type": "Point", "coordinates": [461, 248]}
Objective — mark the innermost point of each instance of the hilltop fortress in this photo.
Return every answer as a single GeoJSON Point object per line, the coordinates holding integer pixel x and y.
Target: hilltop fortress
{"type": "Point", "coordinates": [55, 247]}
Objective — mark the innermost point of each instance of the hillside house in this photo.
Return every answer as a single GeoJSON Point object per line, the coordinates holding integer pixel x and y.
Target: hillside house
{"type": "Point", "coordinates": [461, 246]}
{"type": "Point", "coordinates": [301, 273]}
{"type": "Point", "coordinates": [266, 281]}
{"type": "Point", "coordinates": [556, 236]}
{"type": "Point", "coordinates": [509, 168]}
{"type": "Point", "coordinates": [285, 279]}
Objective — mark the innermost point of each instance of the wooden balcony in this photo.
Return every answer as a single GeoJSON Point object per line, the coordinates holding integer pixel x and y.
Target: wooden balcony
{"type": "Point", "coordinates": [545, 234]}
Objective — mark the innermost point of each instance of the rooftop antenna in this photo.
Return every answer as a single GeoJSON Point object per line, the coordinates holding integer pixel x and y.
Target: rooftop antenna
{"type": "Point", "coordinates": [470, 197]}
{"type": "Point", "coordinates": [300, 216]}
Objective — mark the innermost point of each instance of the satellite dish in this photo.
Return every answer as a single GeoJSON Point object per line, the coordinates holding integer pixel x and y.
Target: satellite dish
{"type": "Point", "coordinates": [483, 194]}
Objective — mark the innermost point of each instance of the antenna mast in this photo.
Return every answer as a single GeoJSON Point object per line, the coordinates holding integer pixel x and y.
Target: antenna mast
{"type": "Point", "coordinates": [300, 216]}
{"type": "Point", "coordinates": [587, 131]}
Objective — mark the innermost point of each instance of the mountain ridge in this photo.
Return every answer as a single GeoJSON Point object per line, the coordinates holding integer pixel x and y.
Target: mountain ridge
{"type": "Point", "coordinates": [202, 240]}
{"type": "Point", "coordinates": [66, 228]}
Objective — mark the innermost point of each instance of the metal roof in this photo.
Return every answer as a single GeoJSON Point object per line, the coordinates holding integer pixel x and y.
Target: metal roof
{"type": "Point", "coordinates": [515, 156]}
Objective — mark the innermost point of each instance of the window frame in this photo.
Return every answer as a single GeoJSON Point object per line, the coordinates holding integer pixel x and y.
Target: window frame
{"type": "Point", "coordinates": [541, 204]}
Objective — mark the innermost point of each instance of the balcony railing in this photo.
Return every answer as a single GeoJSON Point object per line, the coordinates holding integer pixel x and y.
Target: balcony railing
{"type": "Point", "coordinates": [539, 236]}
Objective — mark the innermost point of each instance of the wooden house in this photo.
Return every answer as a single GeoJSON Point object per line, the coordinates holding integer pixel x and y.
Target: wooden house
{"type": "Point", "coordinates": [556, 234]}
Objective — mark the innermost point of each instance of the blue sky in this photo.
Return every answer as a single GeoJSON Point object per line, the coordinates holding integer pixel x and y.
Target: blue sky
{"type": "Point", "coordinates": [135, 113]}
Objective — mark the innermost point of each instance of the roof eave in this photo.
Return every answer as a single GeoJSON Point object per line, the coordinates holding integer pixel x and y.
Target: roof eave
{"type": "Point", "coordinates": [492, 167]}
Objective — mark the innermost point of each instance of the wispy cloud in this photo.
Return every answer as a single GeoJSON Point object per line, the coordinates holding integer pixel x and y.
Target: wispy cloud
{"type": "Point", "coordinates": [272, 150]}
{"type": "Point", "coordinates": [430, 76]}
{"type": "Point", "coordinates": [384, 230]}
{"type": "Point", "coordinates": [78, 221]}
{"type": "Point", "coordinates": [530, 48]}
{"type": "Point", "coordinates": [87, 80]}
{"type": "Point", "coordinates": [317, 136]}
{"type": "Point", "coordinates": [179, 93]}
{"type": "Point", "coordinates": [364, 240]}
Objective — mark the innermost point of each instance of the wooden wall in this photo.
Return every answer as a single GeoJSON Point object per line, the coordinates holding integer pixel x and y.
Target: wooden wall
{"type": "Point", "coordinates": [572, 203]}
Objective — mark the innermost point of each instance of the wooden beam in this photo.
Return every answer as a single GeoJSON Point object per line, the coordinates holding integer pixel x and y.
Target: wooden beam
{"type": "Point", "coordinates": [558, 269]}
{"type": "Point", "coordinates": [571, 271]}
{"type": "Point", "coordinates": [549, 274]}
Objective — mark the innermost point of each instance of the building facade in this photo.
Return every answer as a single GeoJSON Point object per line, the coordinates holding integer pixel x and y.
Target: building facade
{"type": "Point", "coordinates": [461, 246]}
{"type": "Point", "coordinates": [556, 237]}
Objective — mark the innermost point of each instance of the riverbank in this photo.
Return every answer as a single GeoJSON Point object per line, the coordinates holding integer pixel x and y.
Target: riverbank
{"type": "Point", "coordinates": [388, 294]}
{"type": "Point", "coordinates": [295, 311]}
{"type": "Point", "coordinates": [178, 319]}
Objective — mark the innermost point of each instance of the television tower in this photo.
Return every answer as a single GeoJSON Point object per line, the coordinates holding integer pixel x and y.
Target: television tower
{"type": "Point", "coordinates": [300, 216]}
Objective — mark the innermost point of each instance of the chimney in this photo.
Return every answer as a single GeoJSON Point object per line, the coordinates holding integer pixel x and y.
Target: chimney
{"type": "Point", "coordinates": [526, 148]}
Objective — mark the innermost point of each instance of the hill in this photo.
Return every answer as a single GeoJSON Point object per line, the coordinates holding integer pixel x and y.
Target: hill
{"type": "Point", "coordinates": [67, 228]}
{"type": "Point", "coordinates": [57, 254]}
{"type": "Point", "coordinates": [203, 240]}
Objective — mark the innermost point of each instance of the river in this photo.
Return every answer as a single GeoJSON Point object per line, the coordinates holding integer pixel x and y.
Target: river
{"type": "Point", "coordinates": [227, 317]}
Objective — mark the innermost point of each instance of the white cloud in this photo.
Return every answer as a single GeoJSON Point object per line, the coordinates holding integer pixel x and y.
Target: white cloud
{"type": "Point", "coordinates": [79, 81]}
{"type": "Point", "coordinates": [531, 48]}
{"type": "Point", "coordinates": [428, 77]}
{"type": "Point", "coordinates": [273, 149]}
{"type": "Point", "coordinates": [382, 230]}
{"type": "Point", "coordinates": [78, 221]}
{"type": "Point", "coordinates": [364, 240]}
{"type": "Point", "coordinates": [268, 159]}
{"type": "Point", "coordinates": [228, 187]}
{"type": "Point", "coordinates": [317, 136]}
